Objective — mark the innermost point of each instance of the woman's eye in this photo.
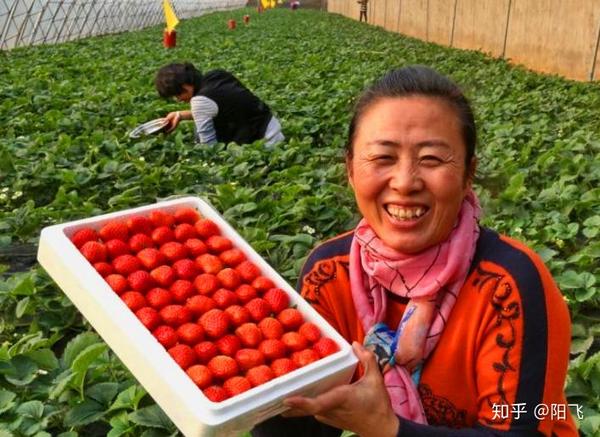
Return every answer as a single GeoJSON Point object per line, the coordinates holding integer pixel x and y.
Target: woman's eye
{"type": "Point", "coordinates": [383, 158]}
{"type": "Point", "coordinates": [430, 159]}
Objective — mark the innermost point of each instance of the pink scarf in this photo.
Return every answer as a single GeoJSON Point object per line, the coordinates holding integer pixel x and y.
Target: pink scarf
{"type": "Point", "coordinates": [431, 279]}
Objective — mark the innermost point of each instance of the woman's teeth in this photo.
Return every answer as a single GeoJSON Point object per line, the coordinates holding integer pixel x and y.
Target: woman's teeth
{"type": "Point", "coordinates": [401, 213]}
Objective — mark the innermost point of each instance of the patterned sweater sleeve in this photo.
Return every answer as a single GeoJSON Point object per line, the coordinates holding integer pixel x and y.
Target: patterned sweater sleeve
{"type": "Point", "coordinates": [203, 111]}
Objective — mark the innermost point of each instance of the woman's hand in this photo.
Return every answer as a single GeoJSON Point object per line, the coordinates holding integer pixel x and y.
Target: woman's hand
{"type": "Point", "coordinates": [363, 407]}
{"type": "Point", "coordinates": [173, 118]}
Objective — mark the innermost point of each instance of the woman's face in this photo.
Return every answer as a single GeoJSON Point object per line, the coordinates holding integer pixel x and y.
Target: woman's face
{"type": "Point", "coordinates": [186, 94]}
{"type": "Point", "coordinates": [408, 170]}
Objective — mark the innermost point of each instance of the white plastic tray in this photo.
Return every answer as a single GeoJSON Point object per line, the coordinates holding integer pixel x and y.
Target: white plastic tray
{"type": "Point", "coordinates": [150, 363]}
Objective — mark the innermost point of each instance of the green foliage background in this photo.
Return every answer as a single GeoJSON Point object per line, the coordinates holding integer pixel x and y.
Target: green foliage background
{"type": "Point", "coordinates": [65, 111]}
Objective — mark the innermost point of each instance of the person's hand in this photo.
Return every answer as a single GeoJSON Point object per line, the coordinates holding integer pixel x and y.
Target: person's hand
{"type": "Point", "coordinates": [173, 118]}
{"type": "Point", "coordinates": [363, 407]}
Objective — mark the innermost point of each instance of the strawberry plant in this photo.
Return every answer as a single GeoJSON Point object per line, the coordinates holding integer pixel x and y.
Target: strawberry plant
{"type": "Point", "coordinates": [64, 154]}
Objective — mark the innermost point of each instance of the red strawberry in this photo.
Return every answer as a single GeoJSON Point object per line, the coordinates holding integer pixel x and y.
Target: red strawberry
{"type": "Point", "coordinates": [206, 228]}
{"type": "Point", "coordinates": [215, 393]}
{"type": "Point", "coordinates": [186, 215]}
{"type": "Point", "coordinates": [185, 269]}
{"type": "Point", "coordinates": [166, 336]}
{"type": "Point", "coordinates": [218, 244]}
{"type": "Point", "coordinates": [258, 308]}
{"type": "Point", "coordinates": [262, 283]}
{"type": "Point", "coordinates": [228, 345]}
{"type": "Point", "coordinates": [223, 367]}
{"type": "Point", "coordinates": [272, 349]}
{"type": "Point", "coordinates": [182, 290]}
{"type": "Point", "coordinates": [118, 283]}
{"type": "Point", "coordinates": [190, 333]}
{"type": "Point", "coordinates": [249, 334]}
{"type": "Point", "coordinates": [200, 304]}
{"type": "Point", "coordinates": [232, 257]}
{"type": "Point", "coordinates": [140, 280]}
{"type": "Point", "coordinates": [139, 242]}
{"type": "Point", "coordinates": [161, 218]}
{"type": "Point", "coordinates": [215, 323]}
{"type": "Point", "coordinates": [209, 263]}
{"type": "Point", "coordinates": [238, 314]}
{"type": "Point", "coordinates": [281, 366]}
{"type": "Point", "coordinates": [246, 293]}
{"type": "Point", "coordinates": [259, 375]}
{"type": "Point", "coordinates": [117, 248]}
{"type": "Point", "coordinates": [82, 236]}
{"type": "Point", "coordinates": [94, 252]}
{"type": "Point", "coordinates": [200, 375]}
{"type": "Point", "coordinates": [175, 315]}
{"type": "Point", "coordinates": [139, 224]}
{"type": "Point", "coordinates": [174, 251]}
{"type": "Point", "coordinates": [163, 275]}
{"type": "Point", "coordinates": [277, 298]}
{"type": "Point", "coordinates": [206, 283]}
{"type": "Point", "coordinates": [236, 385]}
{"type": "Point", "coordinates": [183, 355]}
{"type": "Point", "coordinates": [149, 317]}
{"type": "Point", "coordinates": [294, 341]}
{"type": "Point", "coordinates": [249, 358]}
{"type": "Point", "coordinates": [271, 328]}
{"type": "Point", "coordinates": [162, 235]}
{"type": "Point", "coordinates": [310, 331]}
{"type": "Point", "coordinates": [126, 264]}
{"type": "Point", "coordinates": [195, 246]}
{"type": "Point", "coordinates": [325, 346]}
{"type": "Point", "coordinates": [134, 300]}
{"type": "Point", "coordinates": [184, 232]}
{"type": "Point", "coordinates": [104, 268]}
{"type": "Point", "coordinates": [229, 278]}
{"type": "Point", "coordinates": [151, 258]}
{"type": "Point", "coordinates": [114, 230]}
{"type": "Point", "coordinates": [206, 350]}
{"type": "Point", "coordinates": [290, 318]}
{"type": "Point", "coordinates": [224, 298]}
{"type": "Point", "coordinates": [247, 271]}
{"type": "Point", "coordinates": [159, 298]}
{"type": "Point", "coordinates": [305, 357]}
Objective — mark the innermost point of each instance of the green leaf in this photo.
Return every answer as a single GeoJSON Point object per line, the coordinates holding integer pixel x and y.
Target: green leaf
{"type": "Point", "coordinates": [22, 307]}
{"type": "Point", "coordinates": [129, 398]}
{"type": "Point", "coordinates": [44, 358]}
{"type": "Point", "coordinates": [151, 416]}
{"type": "Point", "coordinates": [86, 412]}
{"type": "Point", "coordinates": [87, 356]}
{"type": "Point", "coordinates": [31, 409]}
{"type": "Point", "coordinates": [23, 371]}
{"type": "Point", "coordinates": [120, 425]}
{"type": "Point", "coordinates": [6, 400]}
{"type": "Point", "coordinates": [103, 392]}
{"type": "Point", "coordinates": [77, 345]}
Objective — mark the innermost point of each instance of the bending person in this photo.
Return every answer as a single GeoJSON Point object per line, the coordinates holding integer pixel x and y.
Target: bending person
{"type": "Point", "coordinates": [222, 108]}
{"type": "Point", "coordinates": [460, 331]}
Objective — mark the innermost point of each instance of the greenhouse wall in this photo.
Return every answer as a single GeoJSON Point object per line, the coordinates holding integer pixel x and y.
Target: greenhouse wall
{"type": "Point", "coordinates": [550, 36]}
{"type": "Point", "coordinates": [29, 22]}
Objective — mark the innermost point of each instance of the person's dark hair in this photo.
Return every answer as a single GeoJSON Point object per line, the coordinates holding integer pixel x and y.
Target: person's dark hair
{"type": "Point", "coordinates": [417, 80]}
{"type": "Point", "coordinates": [170, 79]}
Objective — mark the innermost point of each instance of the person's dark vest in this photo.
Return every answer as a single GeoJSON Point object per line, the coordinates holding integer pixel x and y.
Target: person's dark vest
{"type": "Point", "coordinates": [242, 117]}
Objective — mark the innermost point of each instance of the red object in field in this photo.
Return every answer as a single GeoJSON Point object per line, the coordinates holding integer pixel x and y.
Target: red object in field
{"type": "Point", "coordinates": [169, 39]}
{"type": "Point", "coordinates": [259, 9]}
{"type": "Point", "coordinates": [231, 24]}
{"type": "Point", "coordinates": [246, 19]}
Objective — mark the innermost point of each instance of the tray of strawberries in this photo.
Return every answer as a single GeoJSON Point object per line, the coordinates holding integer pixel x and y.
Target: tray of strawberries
{"type": "Point", "coordinates": [215, 335]}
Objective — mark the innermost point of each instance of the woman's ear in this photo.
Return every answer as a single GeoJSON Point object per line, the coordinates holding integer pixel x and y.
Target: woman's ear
{"type": "Point", "coordinates": [349, 171]}
{"type": "Point", "coordinates": [470, 176]}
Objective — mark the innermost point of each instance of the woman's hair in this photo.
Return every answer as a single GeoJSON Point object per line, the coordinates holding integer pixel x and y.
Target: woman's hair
{"type": "Point", "coordinates": [417, 80]}
{"type": "Point", "coordinates": [170, 79]}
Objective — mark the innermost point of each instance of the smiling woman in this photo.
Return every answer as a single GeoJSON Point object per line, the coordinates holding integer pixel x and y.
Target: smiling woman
{"type": "Point", "coordinates": [456, 321]}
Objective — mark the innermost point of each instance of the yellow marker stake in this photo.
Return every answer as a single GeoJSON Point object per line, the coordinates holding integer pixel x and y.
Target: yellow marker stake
{"type": "Point", "coordinates": [170, 16]}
